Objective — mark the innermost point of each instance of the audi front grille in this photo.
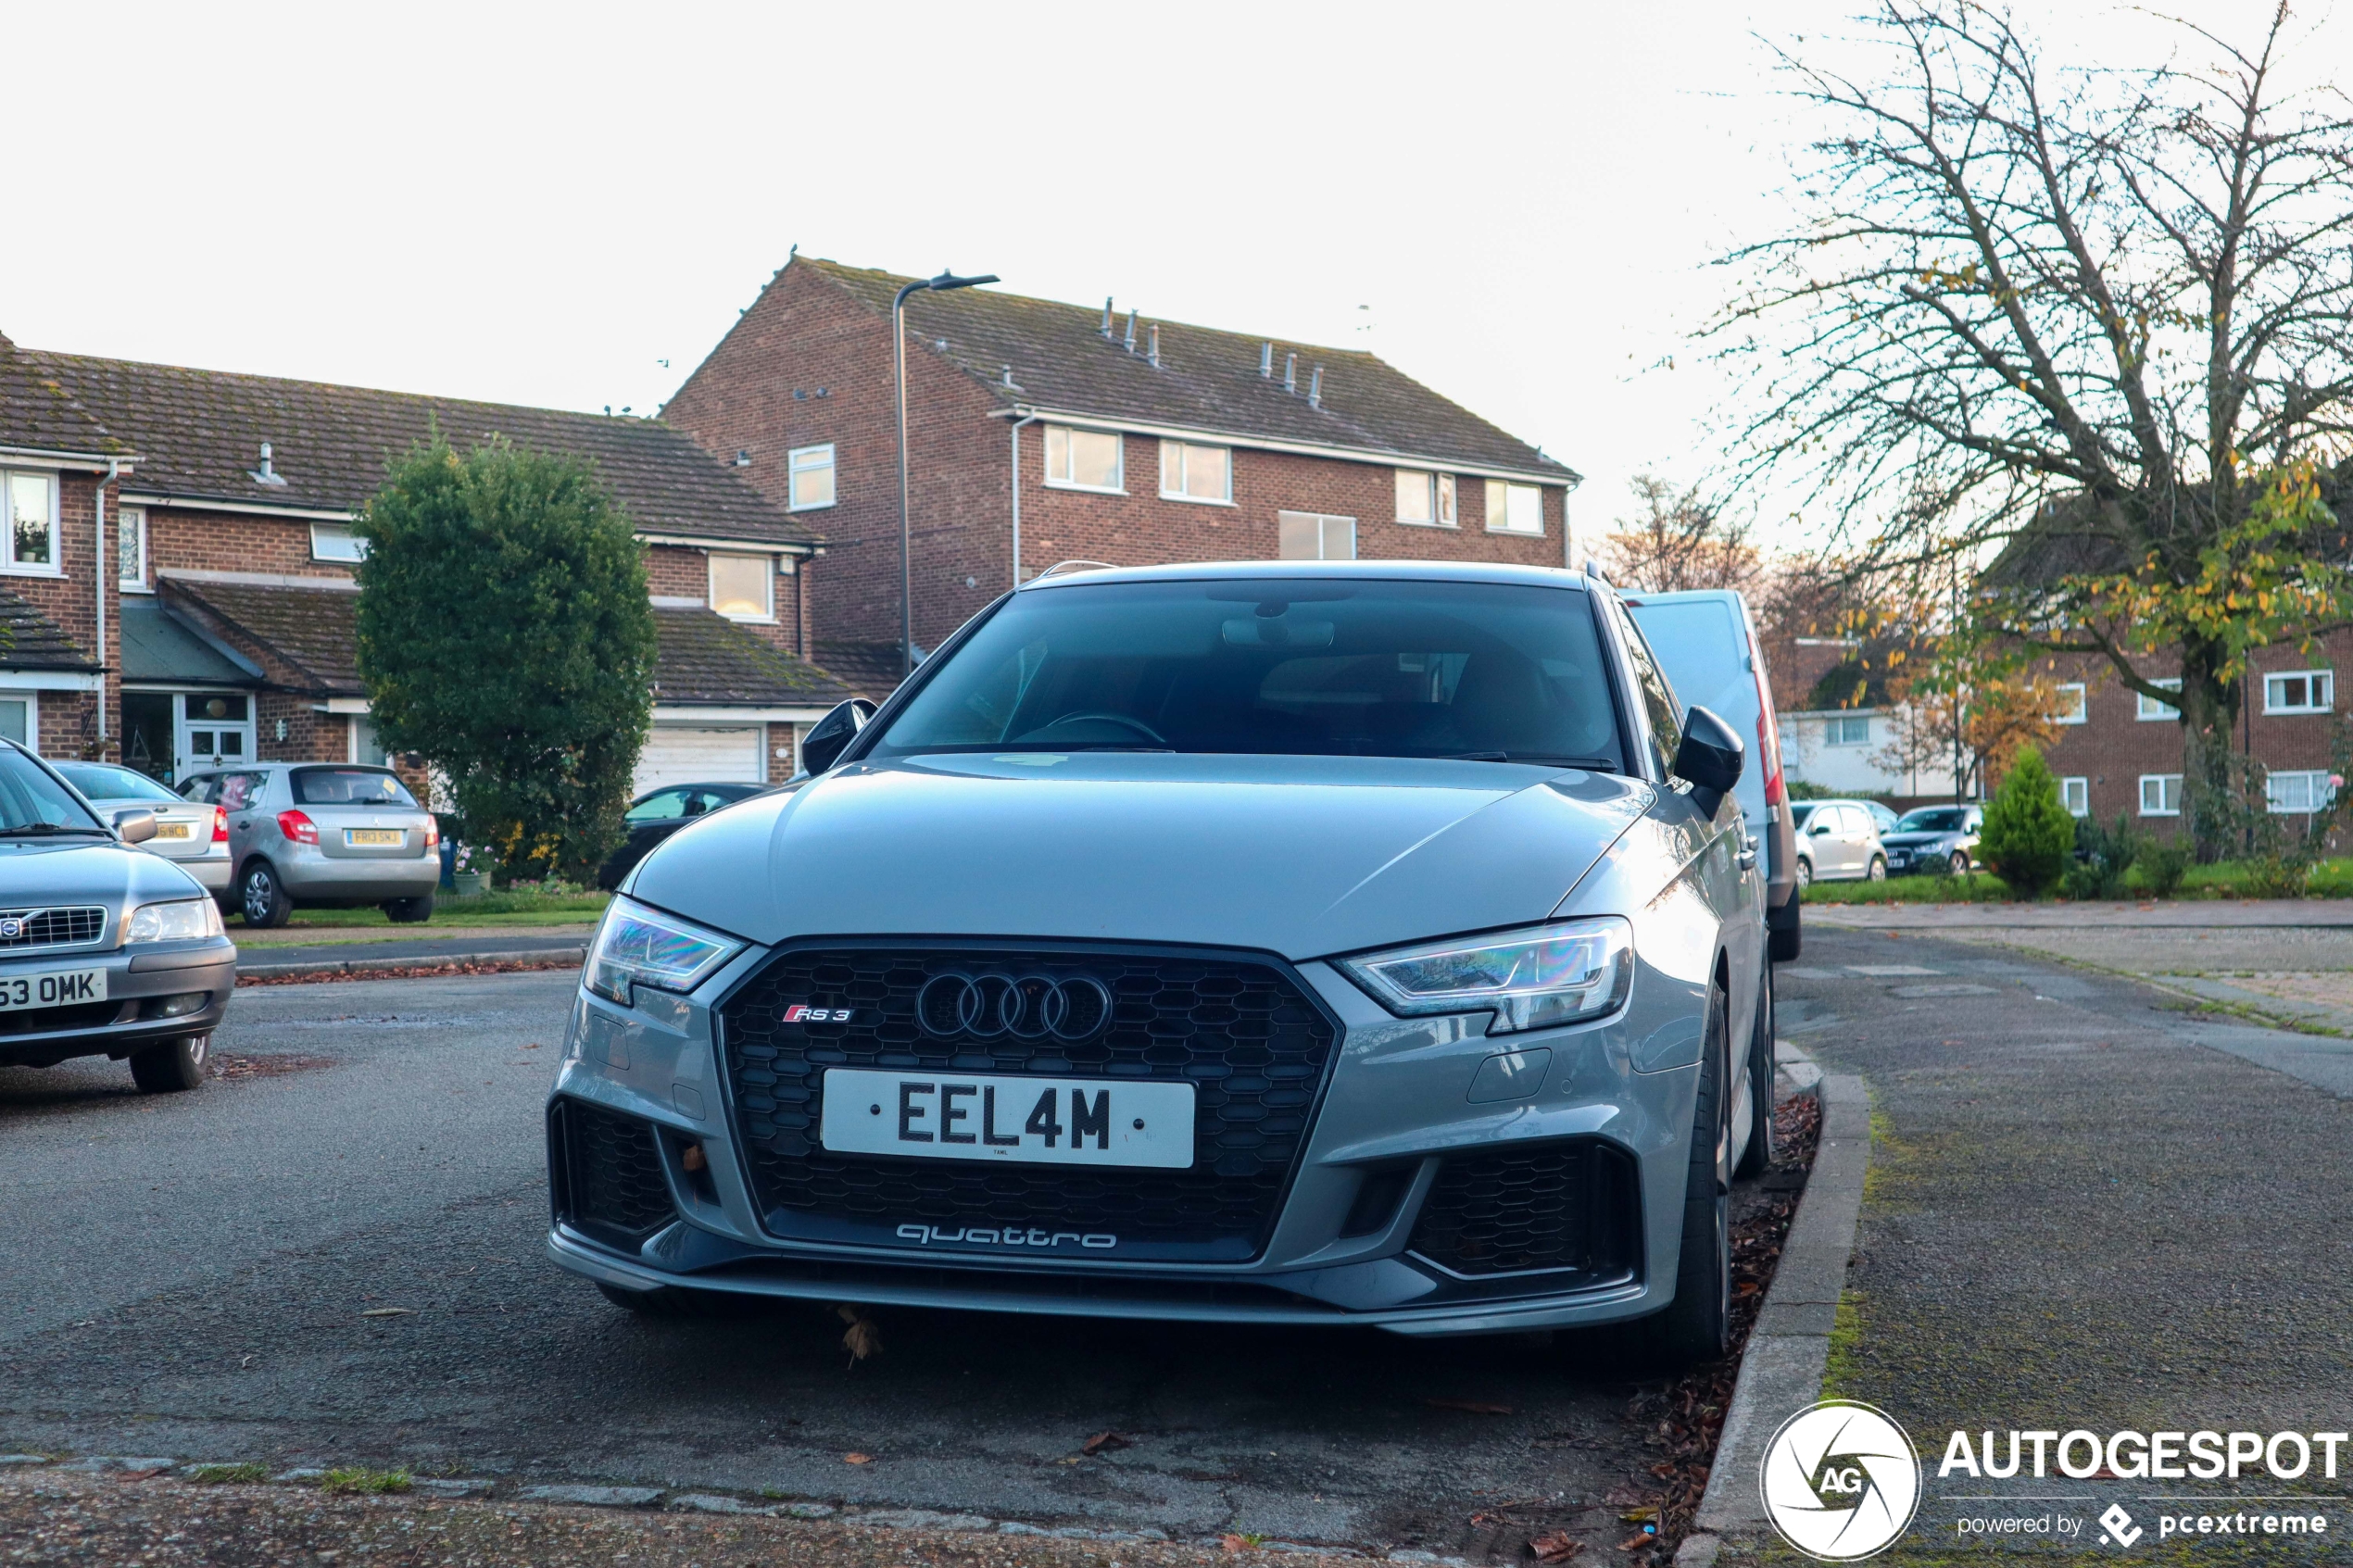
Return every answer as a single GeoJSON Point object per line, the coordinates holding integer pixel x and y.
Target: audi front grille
{"type": "Point", "coordinates": [1242, 1030]}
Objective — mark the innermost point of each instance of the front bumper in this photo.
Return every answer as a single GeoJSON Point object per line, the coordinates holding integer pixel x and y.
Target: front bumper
{"type": "Point", "coordinates": [1396, 1109]}
{"type": "Point", "coordinates": [140, 982]}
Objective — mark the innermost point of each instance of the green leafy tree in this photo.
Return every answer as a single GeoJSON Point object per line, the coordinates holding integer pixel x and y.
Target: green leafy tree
{"type": "Point", "coordinates": [506, 633]}
{"type": "Point", "coordinates": [2028, 834]}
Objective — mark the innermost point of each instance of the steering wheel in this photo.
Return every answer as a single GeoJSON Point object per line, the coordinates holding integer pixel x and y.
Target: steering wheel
{"type": "Point", "coordinates": [1121, 719]}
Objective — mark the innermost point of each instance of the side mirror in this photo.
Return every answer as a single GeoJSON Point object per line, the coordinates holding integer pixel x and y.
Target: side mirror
{"type": "Point", "coordinates": [1821, 830]}
{"type": "Point", "coordinates": [1709, 759]}
{"type": "Point", "coordinates": [134, 826]}
{"type": "Point", "coordinates": [822, 746]}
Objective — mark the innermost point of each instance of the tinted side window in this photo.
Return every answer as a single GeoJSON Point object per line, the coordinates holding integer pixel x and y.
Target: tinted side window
{"type": "Point", "coordinates": [239, 790]}
{"type": "Point", "coordinates": [205, 789]}
{"type": "Point", "coordinates": [1658, 697]}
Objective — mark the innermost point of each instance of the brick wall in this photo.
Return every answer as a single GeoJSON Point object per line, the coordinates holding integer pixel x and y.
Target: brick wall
{"type": "Point", "coordinates": [204, 541]}
{"type": "Point", "coordinates": [311, 736]}
{"type": "Point", "coordinates": [68, 721]}
{"type": "Point", "coordinates": [758, 393]}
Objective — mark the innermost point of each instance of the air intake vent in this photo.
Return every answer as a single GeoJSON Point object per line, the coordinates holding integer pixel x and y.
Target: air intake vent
{"type": "Point", "coordinates": [1571, 1206]}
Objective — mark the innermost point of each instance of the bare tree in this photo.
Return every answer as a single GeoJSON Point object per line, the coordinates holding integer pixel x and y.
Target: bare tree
{"type": "Point", "coordinates": [2096, 315]}
{"type": "Point", "coordinates": [1678, 541]}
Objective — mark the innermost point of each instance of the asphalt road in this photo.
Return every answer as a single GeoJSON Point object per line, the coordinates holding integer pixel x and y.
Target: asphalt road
{"type": "Point", "coordinates": [189, 1277]}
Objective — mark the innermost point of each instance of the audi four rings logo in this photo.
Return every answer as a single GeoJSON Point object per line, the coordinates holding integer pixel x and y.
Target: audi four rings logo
{"type": "Point", "coordinates": [1026, 1007]}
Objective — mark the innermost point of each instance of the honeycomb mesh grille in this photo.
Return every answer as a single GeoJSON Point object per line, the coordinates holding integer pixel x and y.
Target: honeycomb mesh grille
{"type": "Point", "coordinates": [51, 928]}
{"type": "Point", "coordinates": [1241, 1032]}
{"type": "Point", "coordinates": [616, 1191]}
{"type": "Point", "coordinates": [1565, 1206]}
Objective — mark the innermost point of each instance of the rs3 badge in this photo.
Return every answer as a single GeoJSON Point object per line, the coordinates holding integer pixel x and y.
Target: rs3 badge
{"type": "Point", "coordinates": [801, 1012]}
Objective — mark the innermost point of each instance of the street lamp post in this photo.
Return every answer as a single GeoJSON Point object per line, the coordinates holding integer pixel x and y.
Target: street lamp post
{"type": "Point", "coordinates": [941, 284]}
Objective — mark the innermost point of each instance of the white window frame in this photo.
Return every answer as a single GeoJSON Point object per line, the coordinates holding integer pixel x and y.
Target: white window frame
{"type": "Point", "coordinates": [31, 700]}
{"type": "Point", "coordinates": [2322, 681]}
{"type": "Point", "coordinates": [1438, 496]}
{"type": "Point", "coordinates": [2162, 781]}
{"type": "Point", "coordinates": [1834, 726]}
{"type": "Point", "coordinates": [331, 531]}
{"type": "Point", "coordinates": [809, 460]}
{"type": "Point", "coordinates": [2078, 711]}
{"type": "Point", "coordinates": [1118, 485]}
{"type": "Point", "coordinates": [2075, 794]}
{"type": "Point", "coordinates": [2148, 710]}
{"type": "Point", "coordinates": [1181, 451]}
{"type": "Point", "coordinates": [137, 582]}
{"type": "Point", "coordinates": [1499, 508]}
{"type": "Point", "coordinates": [2317, 793]}
{"type": "Point", "coordinates": [9, 566]}
{"type": "Point", "coordinates": [767, 583]}
{"type": "Point", "coordinates": [1324, 521]}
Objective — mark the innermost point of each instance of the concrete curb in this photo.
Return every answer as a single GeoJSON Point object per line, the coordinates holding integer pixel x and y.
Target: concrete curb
{"type": "Point", "coordinates": [1789, 1349]}
{"type": "Point", "coordinates": [544, 958]}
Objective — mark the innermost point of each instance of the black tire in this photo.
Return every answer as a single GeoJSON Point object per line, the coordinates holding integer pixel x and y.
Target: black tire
{"type": "Point", "coordinates": [1697, 1324]}
{"type": "Point", "coordinates": [1960, 862]}
{"type": "Point", "coordinates": [1760, 1153]}
{"type": "Point", "coordinates": [172, 1067]}
{"type": "Point", "coordinates": [669, 1301]}
{"type": "Point", "coordinates": [1805, 875]}
{"type": "Point", "coordinates": [410, 912]}
{"type": "Point", "coordinates": [1879, 869]}
{"type": "Point", "coordinates": [262, 898]}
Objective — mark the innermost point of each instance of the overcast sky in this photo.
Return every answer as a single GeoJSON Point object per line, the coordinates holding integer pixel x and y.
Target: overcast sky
{"type": "Point", "coordinates": [568, 204]}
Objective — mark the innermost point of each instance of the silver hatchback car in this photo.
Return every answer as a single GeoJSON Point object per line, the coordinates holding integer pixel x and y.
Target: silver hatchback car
{"type": "Point", "coordinates": [1336, 943]}
{"type": "Point", "coordinates": [192, 836]}
{"type": "Point", "coordinates": [329, 835]}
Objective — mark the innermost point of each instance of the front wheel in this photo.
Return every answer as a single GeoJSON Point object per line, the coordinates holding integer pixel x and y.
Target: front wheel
{"type": "Point", "coordinates": [1960, 862]}
{"type": "Point", "coordinates": [1697, 1326]}
{"type": "Point", "coordinates": [1879, 868]}
{"type": "Point", "coordinates": [263, 897]}
{"type": "Point", "coordinates": [173, 1066]}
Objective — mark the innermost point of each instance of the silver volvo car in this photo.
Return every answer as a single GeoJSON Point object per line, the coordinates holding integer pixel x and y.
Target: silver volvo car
{"type": "Point", "coordinates": [1285, 942]}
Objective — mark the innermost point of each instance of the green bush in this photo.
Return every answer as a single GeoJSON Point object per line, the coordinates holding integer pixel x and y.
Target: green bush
{"type": "Point", "coordinates": [2158, 869]}
{"type": "Point", "coordinates": [2028, 836]}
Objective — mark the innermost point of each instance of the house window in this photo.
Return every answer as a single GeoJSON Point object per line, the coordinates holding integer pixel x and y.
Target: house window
{"type": "Point", "coordinates": [1195, 473]}
{"type": "Point", "coordinates": [1425, 499]}
{"type": "Point", "coordinates": [1312, 536]}
{"type": "Point", "coordinates": [2150, 708]}
{"type": "Point", "coordinates": [2069, 710]}
{"type": "Point", "coordinates": [366, 747]}
{"type": "Point", "coordinates": [131, 549]}
{"type": "Point", "coordinates": [17, 721]}
{"type": "Point", "coordinates": [1513, 509]}
{"type": "Point", "coordinates": [2300, 691]}
{"type": "Point", "coordinates": [1085, 460]}
{"type": "Point", "coordinates": [809, 477]}
{"type": "Point", "coordinates": [1848, 729]}
{"type": "Point", "coordinates": [741, 587]}
{"type": "Point", "coordinates": [2076, 795]}
{"type": "Point", "coordinates": [2305, 791]}
{"type": "Point", "coordinates": [2161, 795]}
{"type": "Point", "coordinates": [31, 541]}
{"type": "Point", "coordinates": [336, 540]}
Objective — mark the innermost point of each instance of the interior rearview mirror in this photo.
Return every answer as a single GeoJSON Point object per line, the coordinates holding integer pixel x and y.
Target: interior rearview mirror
{"type": "Point", "coordinates": [134, 826]}
{"type": "Point", "coordinates": [824, 745]}
{"type": "Point", "coordinates": [1709, 759]}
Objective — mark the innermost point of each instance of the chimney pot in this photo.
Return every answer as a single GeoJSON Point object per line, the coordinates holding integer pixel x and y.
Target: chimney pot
{"type": "Point", "coordinates": [1267, 360]}
{"type": "Point", "coordinates": [1290, 372]}
{"type": "Point", "coordinates": [1106, 318]}
{"type": "Point", "coordinates": [1155, 349]}
{"type": "Point", "coordinates": [1315, 388]}
{"type": "Point", "coordinates": [1131, 329]}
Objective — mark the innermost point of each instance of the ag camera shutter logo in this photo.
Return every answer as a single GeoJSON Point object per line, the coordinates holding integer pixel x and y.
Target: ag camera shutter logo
{"type": "Point", "coordinates": [1841, 1481]}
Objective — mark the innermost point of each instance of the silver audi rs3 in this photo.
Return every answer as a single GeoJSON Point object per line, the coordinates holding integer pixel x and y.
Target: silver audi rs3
{"type": "Point", "coordinates": [1370, 943]}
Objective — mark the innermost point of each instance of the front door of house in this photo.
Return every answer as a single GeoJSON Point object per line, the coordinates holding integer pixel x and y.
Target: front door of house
{"type": "Point", "coordinates": [214, 728]}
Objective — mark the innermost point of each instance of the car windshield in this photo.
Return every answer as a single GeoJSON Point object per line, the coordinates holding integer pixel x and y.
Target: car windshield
{"type": "Point", "coordinates": [100, 781]}
{"type": "Point", "coordinates": [1312, 667]}
{"type": "Point", "coordinates": [32, 804]}
{"type": "Point", "coordinates": [349, 786]}
{"type": "Point", "coordinates": [1934, 819]}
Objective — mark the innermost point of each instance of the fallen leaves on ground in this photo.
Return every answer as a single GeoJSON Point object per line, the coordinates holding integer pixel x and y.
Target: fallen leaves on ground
{"type": "Point", "coordinates": [862, 1337]}
{"type": "Point", "coordinates": [1556, 1546]}
{"type": "Point", "coordinates": [857, 1458]}
{"type": "Point", "coordinates": [1103, 1441]}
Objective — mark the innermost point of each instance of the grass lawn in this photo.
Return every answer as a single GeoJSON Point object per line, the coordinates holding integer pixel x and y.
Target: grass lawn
{"type": "Point", "coordinates": [482, 910]}
{"type": "Point", "coordinates": [2225, 878]}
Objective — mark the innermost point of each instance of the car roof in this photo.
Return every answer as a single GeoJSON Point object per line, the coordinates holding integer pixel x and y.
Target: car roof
{"type": "Point", "coordinates": [1360, 571]}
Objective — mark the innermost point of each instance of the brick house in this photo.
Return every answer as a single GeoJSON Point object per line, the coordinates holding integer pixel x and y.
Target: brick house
{"type": "Point", "coordinates": [1041, 431]}
{"type": "Point", "coordinates": [228, 626]}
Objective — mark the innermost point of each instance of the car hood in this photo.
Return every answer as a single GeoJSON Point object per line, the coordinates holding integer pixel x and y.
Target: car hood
{"type": "Point", "coordinates": [34, 871]}
{"type": "Point", "coordinates": [1302, 856]}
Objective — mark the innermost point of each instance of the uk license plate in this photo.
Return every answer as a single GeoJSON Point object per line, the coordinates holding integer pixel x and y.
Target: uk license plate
{"type": "Point", "coordinates": [171, 829]}
{"type": "Point", "coordinates": [57, 988]}
{"type": "Point", "coordinates": [375, 839]}
{"type": "Point", "coordinates": [1028, 1121]}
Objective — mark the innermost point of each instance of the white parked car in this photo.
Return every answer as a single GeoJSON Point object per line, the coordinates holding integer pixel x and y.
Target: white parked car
{"type": "Point", "coordinates": [190, 834]}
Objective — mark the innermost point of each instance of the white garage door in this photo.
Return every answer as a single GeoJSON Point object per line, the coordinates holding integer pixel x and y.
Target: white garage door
{"type": "Point", "coordinates": [694, 753]}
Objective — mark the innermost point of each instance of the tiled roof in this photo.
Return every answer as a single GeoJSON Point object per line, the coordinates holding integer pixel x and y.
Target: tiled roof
{"type": "Point", "coordinates": [869, 669]}
{"type": "Point", "coordinates": [1206, 380]}
{"type": "Point", "coordinates": [30, 640]}
{"type": "Point", "coordinates": [707, 658]}
{"type": "Point", "coordinates": [199, 434]}
{"type": "Point", "coordinates": [157, 645]}
{"type": "Point", "coordinates": [37, 412]}
{"type": "Point", "coordinates": [316, 630]}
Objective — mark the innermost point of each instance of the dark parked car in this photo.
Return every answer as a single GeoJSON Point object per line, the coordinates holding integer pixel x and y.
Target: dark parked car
{"type": "Point", "coordinates": [654, 816]}
{"type": "Point", "coordinates": [1936, 838]}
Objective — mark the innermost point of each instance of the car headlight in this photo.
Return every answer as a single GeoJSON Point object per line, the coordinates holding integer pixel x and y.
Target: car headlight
{"type": "Point", "coordinates": [641, 947]}
{"type": "Point", "coordinates": [183, 919]}
{"type": "Point", "coordinates": [1532, 979]}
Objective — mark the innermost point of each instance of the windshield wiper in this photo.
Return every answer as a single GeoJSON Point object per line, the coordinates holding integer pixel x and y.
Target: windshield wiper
{"type": "Point", "coordinates": [1542, 758]}
{"type": "Point", "coordinates": [43, 829]}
